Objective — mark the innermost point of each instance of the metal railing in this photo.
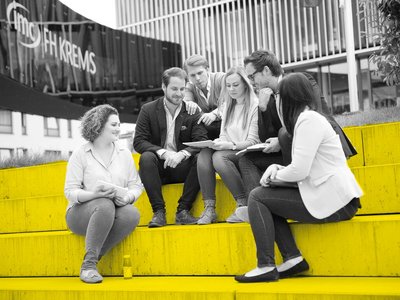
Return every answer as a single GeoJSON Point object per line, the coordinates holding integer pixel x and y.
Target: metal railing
{"type": "Point", "coordinates": [228, 30]}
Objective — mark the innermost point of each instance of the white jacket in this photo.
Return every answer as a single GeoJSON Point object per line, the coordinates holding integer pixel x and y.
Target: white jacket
{"type": "Point", "coordinates": [319, 166]}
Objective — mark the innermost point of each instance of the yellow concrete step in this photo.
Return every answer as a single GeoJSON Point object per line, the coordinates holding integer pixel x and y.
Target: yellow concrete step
{"type": "Point", "coordinates": [200, 288]}
{"type": "Point", "coordinates": [355, 136]}
{"type": "Point", "coordinates": [364, 246]}
{"type": "Point", "coordinates": [32, 214]}
{"type": "Point", "coordinates": [326, 288]}
{"type": "Point", "coordinates": [381, 188]}
{"type": "Point", "coordinates": [43, 213]}
{"type": "Point", "coordinates": [381, 144]}
{"type": "Point", "coordinates": [43, 180]}
{"type": "Point", "coordinates": [376, 144]}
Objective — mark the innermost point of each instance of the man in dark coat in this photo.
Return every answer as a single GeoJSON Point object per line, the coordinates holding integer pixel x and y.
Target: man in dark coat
{"type": "Point", "coordinates": [161, 129]}
{"type": "Point", "coordinates": [265, 72]}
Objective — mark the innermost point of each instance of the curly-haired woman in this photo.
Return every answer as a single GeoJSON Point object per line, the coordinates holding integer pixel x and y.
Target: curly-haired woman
{"type": "Point", "coordinates": [95, 210]}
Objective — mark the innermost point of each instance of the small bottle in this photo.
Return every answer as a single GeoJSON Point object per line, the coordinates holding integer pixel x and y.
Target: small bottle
{"type": "Point", "coordinates": [127, 267]}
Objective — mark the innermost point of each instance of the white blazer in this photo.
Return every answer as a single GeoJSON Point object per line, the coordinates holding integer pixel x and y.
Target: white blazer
{"type": "Point", "coordinates": [319, 166]}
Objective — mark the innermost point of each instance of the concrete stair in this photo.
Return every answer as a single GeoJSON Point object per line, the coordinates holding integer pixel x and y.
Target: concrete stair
{"type": "Point", "coordinates": [200, 288]}
{"type": "Point", "coordinates": [31, 209]}
{"type": "Point", "coordinates": [356, 259]}
{"type": "Point", "coordinates": [359, 247]}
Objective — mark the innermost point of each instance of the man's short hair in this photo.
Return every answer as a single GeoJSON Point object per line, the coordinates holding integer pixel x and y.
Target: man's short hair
{"type": "Point", "coordinates": [195, 61]}
{"type": "Point", "coordinates": [262, 58]}
{"type": "Point", "coordinates": [173, 72]}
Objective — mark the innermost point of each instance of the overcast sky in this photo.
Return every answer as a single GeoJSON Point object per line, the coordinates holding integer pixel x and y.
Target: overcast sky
{"type": "Point", "coordinates": [101, 11]}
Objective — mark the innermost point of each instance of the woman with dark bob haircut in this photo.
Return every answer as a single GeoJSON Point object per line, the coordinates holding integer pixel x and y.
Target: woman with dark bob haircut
{"type": "Point", "coordinates": [324, 189]}
{"type": "Point", "coordinates": [101, 185]}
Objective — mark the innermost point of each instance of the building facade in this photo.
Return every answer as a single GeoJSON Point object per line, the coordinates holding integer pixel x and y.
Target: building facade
{"type": "Point", "coordinates": [331, 39]}
{"type": "Point", "coordinates": [27, 134]}
{"type": "Point", "coordinates": [22, 134]}
{"type": "Point", "coordinates": [55, 62]}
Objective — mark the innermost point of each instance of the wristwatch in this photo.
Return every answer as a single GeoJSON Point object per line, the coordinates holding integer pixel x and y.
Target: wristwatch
{"type": "Point", "coordinates": [234, 146]}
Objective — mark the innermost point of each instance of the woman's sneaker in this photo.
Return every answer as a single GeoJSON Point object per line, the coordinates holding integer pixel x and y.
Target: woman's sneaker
{"type": "Point", "coordinates": [208, 216]}
{"type": "Point", "coordinates": [242, 213]}
{"type": "Point", "coordinates": [90, 276]}
{"type": "Point", "coordinates": [233, 218]}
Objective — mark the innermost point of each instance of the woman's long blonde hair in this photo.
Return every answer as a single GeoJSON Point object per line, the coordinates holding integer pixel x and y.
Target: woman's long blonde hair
{"type": "Point", "coordinates": [228, 101]}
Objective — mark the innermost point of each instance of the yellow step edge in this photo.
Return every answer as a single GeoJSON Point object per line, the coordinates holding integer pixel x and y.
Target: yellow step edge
{"type": "Point", "coordinates": [176, 288]}
{"type": "Point", "coordinates": [32, 181]}
{"type": "Point", "coordinates": [355, 136]}
{"type": "Point", "coordinates": [42, 213]}
{"type": "Point", "coordinates": [33, 214]}
{"type": "Point", "coordinates": [375, 144]}
{"type": "Point", "coordinates": [381, 188]}
{"type": "Point", "coordinates": [363, 246]}
{"type": "Point", "coordinates": [381, 144]}
{"type": "Point", "coordinates": [325, 288]}
{"type": "Point", "coordinates": [364, 138]}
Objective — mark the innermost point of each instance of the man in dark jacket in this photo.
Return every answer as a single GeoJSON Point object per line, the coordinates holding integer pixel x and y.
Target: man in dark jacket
{"type": "Point", "coordinates": [270, 131]}
{"type": "Point", "coordinates": [265, 72]}
{"type": "Point", "coordinates": [161, 129]}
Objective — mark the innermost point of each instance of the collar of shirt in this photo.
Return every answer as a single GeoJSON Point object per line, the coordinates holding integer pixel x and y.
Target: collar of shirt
{"type": "Point", "coordinates": [278, 105]}
{"type": "Point", "coordinates": [208, 87]}
{"type": "Point", "coordinates": [170, 140]}
{"type": "Point", "coordinates": [209, 84]}
{"type": "Point", "coordinates": [90, 147]}
{"type": "Point", "coordinates": [177, 111]}
{"type": "Point", "coordinates": [117, 149]}
{"type": "Point", "coordinates": [280, 78]}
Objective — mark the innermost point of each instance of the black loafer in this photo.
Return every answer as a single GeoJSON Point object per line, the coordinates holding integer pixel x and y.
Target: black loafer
{"type": "Point", "coordinates": [265, 277]}
{"type": "Point", "coordinates": [295, 270]}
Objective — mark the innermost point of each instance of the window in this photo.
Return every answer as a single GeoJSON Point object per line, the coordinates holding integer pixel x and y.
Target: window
{"type": "Point", "coordinates": [22, 151]}
{"type": "Point", "coordinates": [23, 123]}
{"type": "Point", "coordinates": [69, 123]}
{"type": "Point", "coordinates": [373, 92]}
{"type": "Point", "coordinates": [52, 153]}
{"type": "Point", "coordinates": [6, 121]}
{"type": "Point", "coordinates": [51, 127]}
{"type": "Point", "coordinates": [6, 153]}
{"type": "Point", "coordinates": [333, 81]}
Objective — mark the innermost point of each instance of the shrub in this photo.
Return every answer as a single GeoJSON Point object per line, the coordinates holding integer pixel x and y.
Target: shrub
{"type": "Point", "coordinates": [30, 160]}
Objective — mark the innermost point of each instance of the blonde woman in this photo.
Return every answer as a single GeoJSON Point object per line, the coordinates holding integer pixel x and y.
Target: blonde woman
{"type": "Point", "coordinates": [239, 130]}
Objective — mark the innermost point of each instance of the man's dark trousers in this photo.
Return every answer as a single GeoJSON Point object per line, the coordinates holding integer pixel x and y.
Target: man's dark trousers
{"type": "Point", "coordinates": [153, 176]}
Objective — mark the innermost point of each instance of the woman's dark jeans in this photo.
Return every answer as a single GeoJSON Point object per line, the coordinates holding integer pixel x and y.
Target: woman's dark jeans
{"type": "Point", "coordinates": [269, 209]}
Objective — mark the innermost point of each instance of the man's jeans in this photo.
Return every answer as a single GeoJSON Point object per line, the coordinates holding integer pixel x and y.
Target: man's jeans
{"type": "Point", "coordinates": [252, 165]}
